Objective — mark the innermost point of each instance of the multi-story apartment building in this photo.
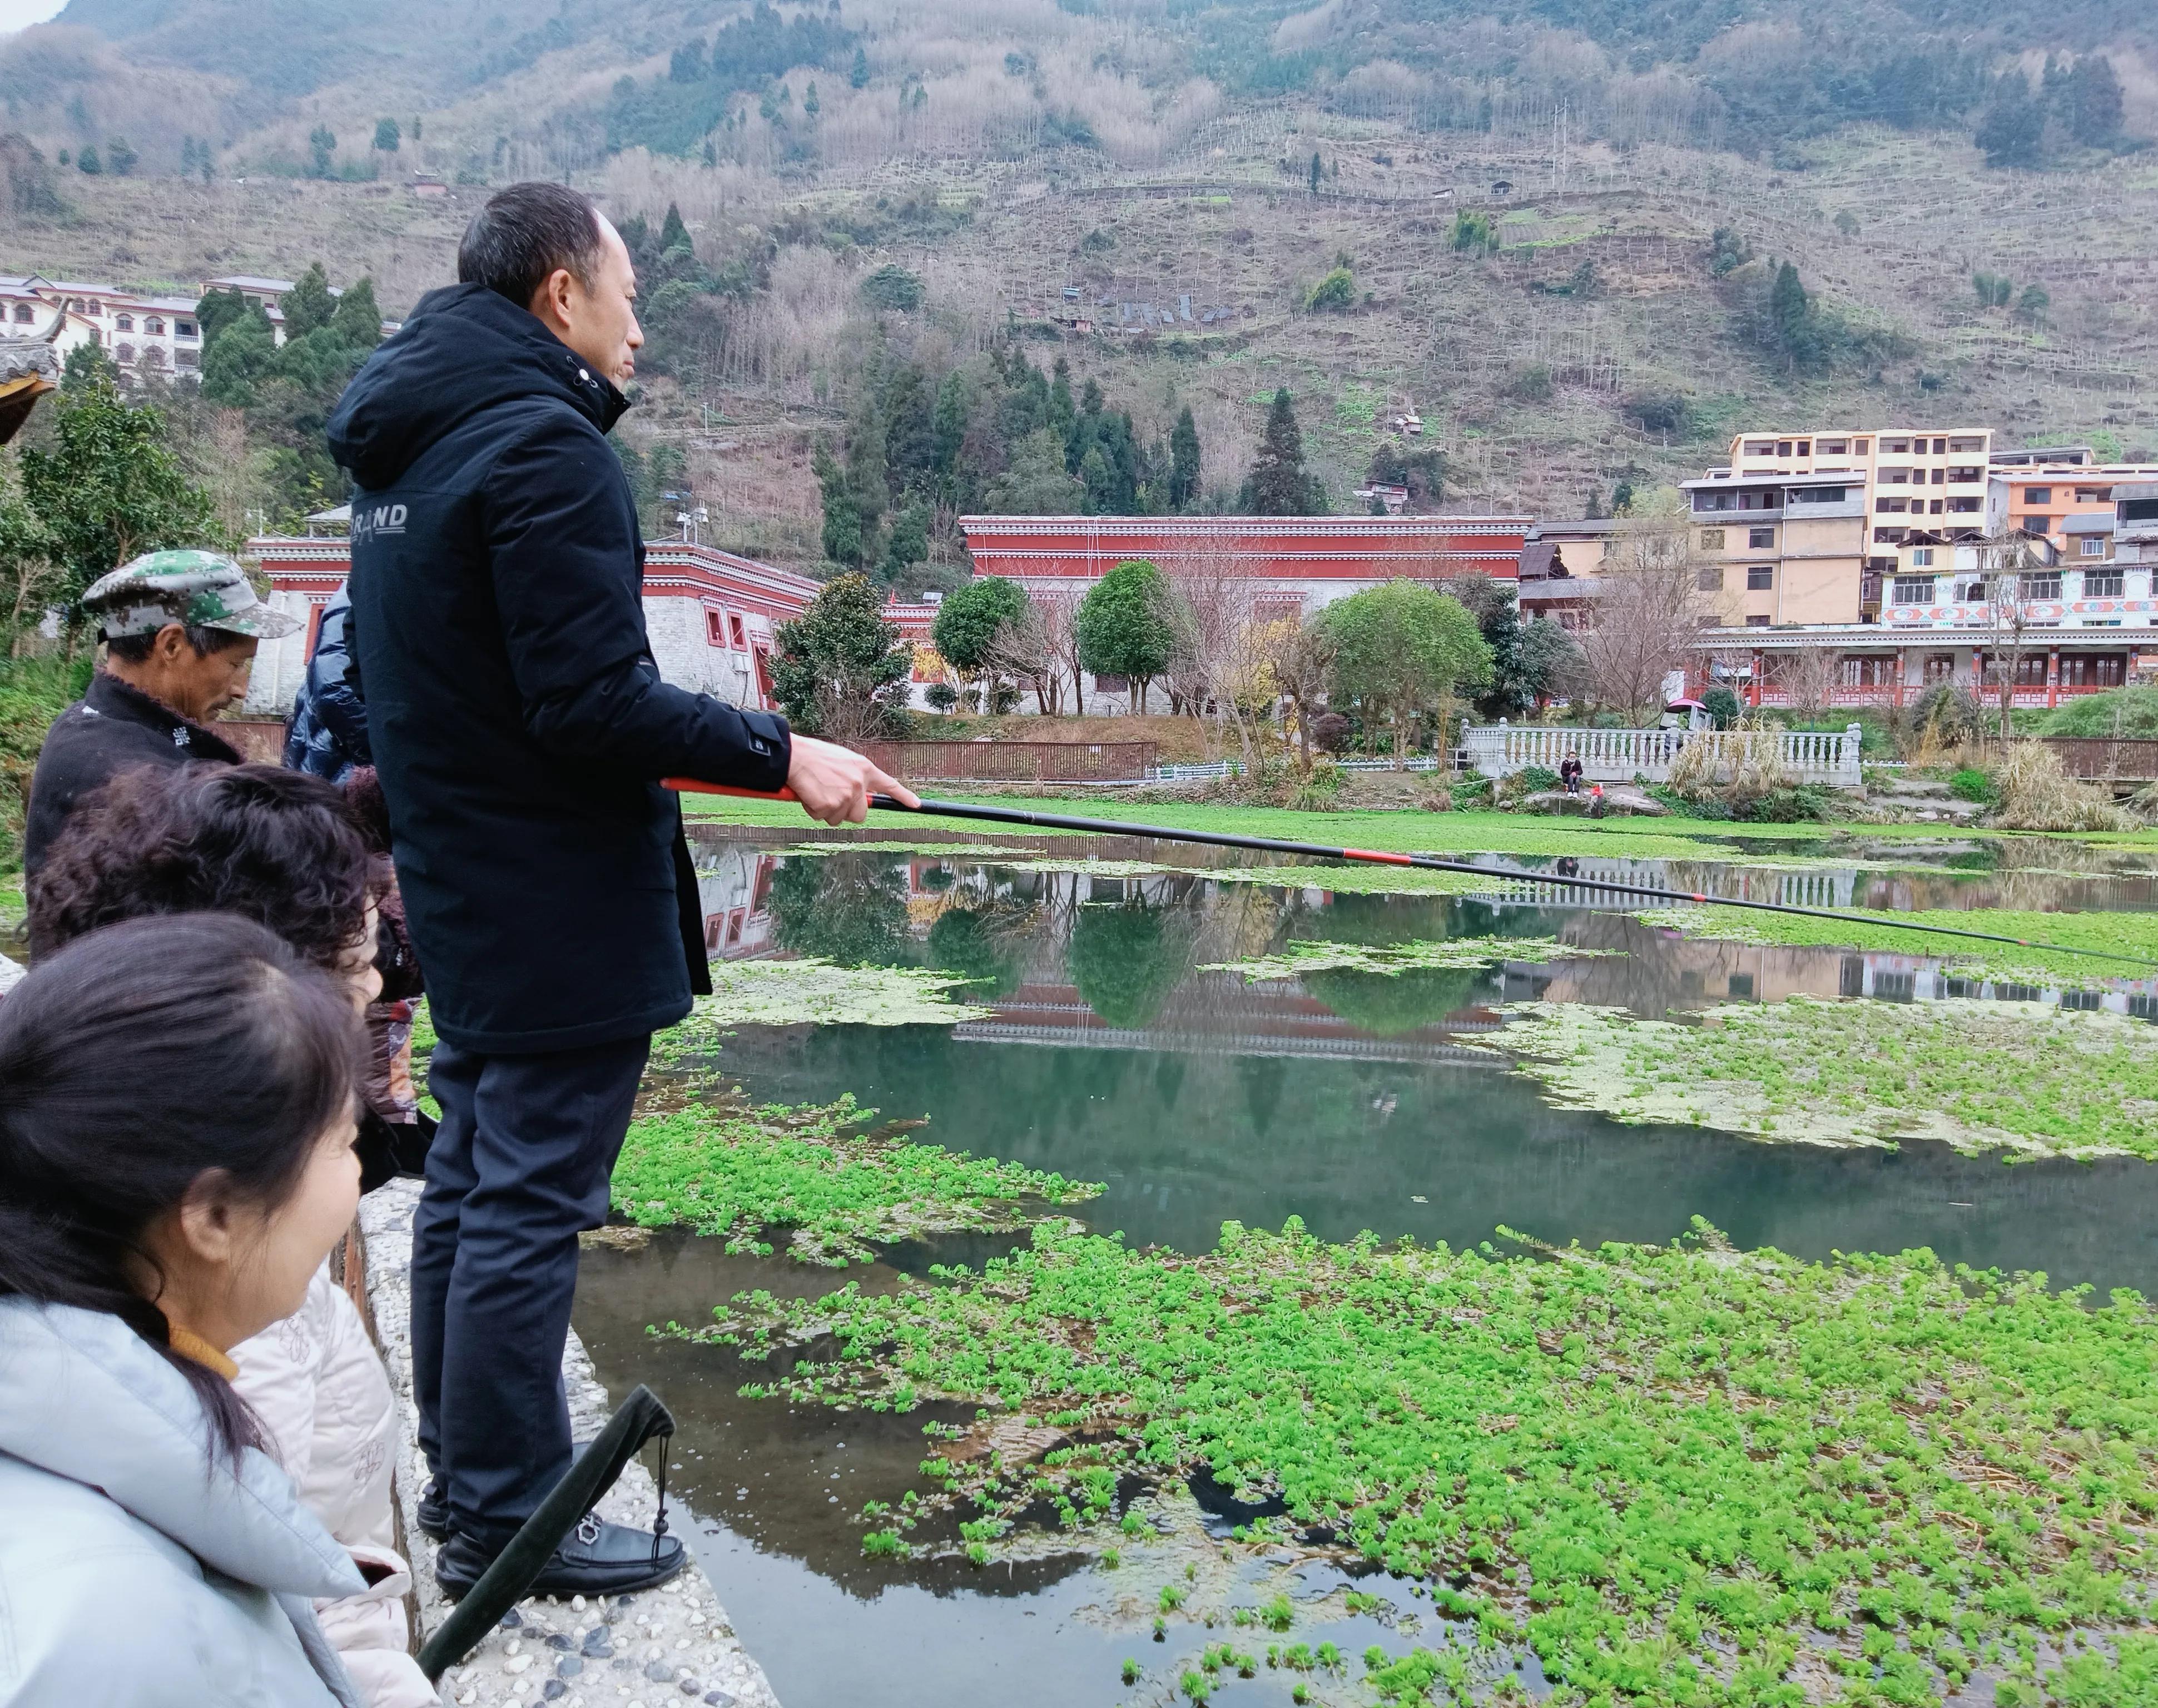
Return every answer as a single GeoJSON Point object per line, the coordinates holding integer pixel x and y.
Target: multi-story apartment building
{"type": "Point", "coordinates": [1782, 548]}
{"type": "Point", "coordinates": [1905, 474]}
{"type": "Point", "coordinates": [2069, 503]}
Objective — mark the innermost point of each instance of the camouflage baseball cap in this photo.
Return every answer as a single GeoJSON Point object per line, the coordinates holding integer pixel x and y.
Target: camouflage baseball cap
{"type": "Point", "coordinates": [204, 588]}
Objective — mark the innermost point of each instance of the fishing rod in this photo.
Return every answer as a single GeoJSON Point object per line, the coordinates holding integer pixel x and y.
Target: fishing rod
{"type": "Point", "coordinates": [1425, 863]}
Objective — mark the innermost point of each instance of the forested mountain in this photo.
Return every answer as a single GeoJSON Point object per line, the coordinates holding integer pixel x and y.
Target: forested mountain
{"type": "Point", "coordinates": [900, 261]}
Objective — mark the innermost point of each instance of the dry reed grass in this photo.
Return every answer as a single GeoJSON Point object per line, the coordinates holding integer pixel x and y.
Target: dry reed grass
{"type": "Point", "coordinates": [2038, 793]}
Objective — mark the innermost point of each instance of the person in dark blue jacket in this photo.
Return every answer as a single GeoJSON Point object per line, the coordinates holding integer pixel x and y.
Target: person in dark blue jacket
{"type": "Point", "coordinates": [326, 736]}
{"type": "Point", "coordinates": [520, 727]}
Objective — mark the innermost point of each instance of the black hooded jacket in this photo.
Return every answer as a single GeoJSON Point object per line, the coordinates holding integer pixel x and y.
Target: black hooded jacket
{"type": "Point", "coordinates": [518, 722]}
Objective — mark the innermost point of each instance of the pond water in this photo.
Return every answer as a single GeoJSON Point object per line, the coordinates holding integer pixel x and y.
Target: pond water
{"type": "Point", "coordinates": [1354, 1099]}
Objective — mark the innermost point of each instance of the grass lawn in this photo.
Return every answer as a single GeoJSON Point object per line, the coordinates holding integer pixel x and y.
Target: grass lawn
{"type": "Point", "coordinates": [1405, 832]}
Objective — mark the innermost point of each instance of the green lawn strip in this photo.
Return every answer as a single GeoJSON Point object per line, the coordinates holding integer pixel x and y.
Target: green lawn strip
{"type": "Point", "coordinates": [13, 904]}
{"type": "Point", "coordinates": [1397, 832]}
{"type": "Point", "coordinates": [1413, 832]}
{"type": "Point", "coordinates": [736, 1175]}
{"type": "Point", "coordinates": [1681, 1474]}
{"type": "Point", "coordinates": [2027, 1078]}
{"type": "Point", "coordinates": [1312, 956]}
{"type": "Point", "coordinates": [2135, 934]}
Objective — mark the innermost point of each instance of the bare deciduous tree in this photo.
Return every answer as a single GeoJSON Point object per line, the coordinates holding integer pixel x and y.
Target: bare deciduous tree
{"type": "Point", "coordinates": [1648, 614]}
{"type": "Point", "coordinates": [1811, 678]}
{"type": "Point", "coordinates": [2010, 564]}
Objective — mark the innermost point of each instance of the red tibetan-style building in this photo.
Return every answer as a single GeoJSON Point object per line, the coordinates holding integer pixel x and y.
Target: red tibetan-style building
{"type": "Point", "coordinates": [709, 614]}
{"type": "Point", "coordinates": [1307, 560]}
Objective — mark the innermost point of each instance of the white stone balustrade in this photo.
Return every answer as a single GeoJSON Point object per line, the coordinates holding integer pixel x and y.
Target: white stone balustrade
{"type": "Point", "coordinates": [1620, 756]}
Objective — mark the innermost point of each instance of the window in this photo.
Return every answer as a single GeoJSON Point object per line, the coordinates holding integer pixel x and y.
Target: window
{"type": "Point", "coordinates": [2045, 587]}
{"type": "Point", "coordinates": [735, 624]}
{"type": "Point", "coordinates": [124, 352]}
{"type": "Point", "coordinates": [23, 311]}
{"type": "Point", "coordinates": [1934, 510]}
{"type": "Point", "coordinates": [1966, 443]}
{"type": "Point", "coordinates": [1742, 986]}
{"type": "Point", "coordinates": [2094, 669]}
{"type": "Point", "coordinates": [1868, 670]}
{"type": "Point", "coordinates": [185, 328]}
{"type": "Point", "coordinates": [1970, 590]}
{"type": "Point", "coordinates": [154, 326]}
{"type": "Point", "coordinates": [1940, 667]}
{"type": "Point", "coordinates": [1818, 495]}
{"type": "Point", "coordinates": [2107, 584]}
{"type": "Point", "coordinates": [1891, 507]}
{"type": "Point", "coordinates": [1757, 622]}
{"type": "Point", "coordinates": [1889, 536]}
{"type": "Point", "coordinates": [125, 323]}
{"type": "Point", "coordinates": [1964, 476]}
{"type": "Point", "coordinates": [1715, 501]}
{"type": "Point", "coordinates": [1760, 539]}
{"type": "Point", "coordinates": [187, 359]}
{"type": "Point", "coordinates": [1964, 507]}
{"type": "Point", "coordinates": [1833, 447]}
{"type": "Point", "coordinates": [1940, 476]}
{"type": "Point", "coordinates": [1760, 448]}
{"type": "Point", "coordinates": [1708, 578]}
{"type": "Point", "coordinates": [2040, 496]}
{"type": "Point", "coordinates": [2038, 524]}
{"type": "Point", "coordinates": [1760, 577]}
{"type": "Point", "coordinates": [1711, 540]}
{"type": "Point", "coordinates": [1805, 447]}
{"type": "Point", "coordinates": [1895, 476]}
{"type": "Point", "coordinates": [1893, 447]}
{"type": "Point", "coordinates": [2091, 546]}
{"type": "Point", "coordinates": [1783, 447]}
{"type": "Point", "coordinates": [1940, 447]}
{"type": "Point", "coordinates": [2094, 495]}
{"type": "Point", "coordinates": [1912, 590]}
{"type": "Point", "coordinates": [1858, 446]}
{"type": "Point", "coordinates": [1922, 556]}
{"type": "Point", "coordinates": [715, 629]}
{"type": "Point", "coordinates": [2030, 669]}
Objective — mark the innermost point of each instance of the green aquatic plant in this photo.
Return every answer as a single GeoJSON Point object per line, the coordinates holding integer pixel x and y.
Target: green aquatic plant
{"type": "Point", "coordinates": [813, 991]}
{"type": "Point", "coordinates": [2135, 934]}
{"type": "Point", "coordinates": [1679, 1474]}
{"type": "Point", "coordinates": [2024, 1078]}
{"type": "Point", "coordinates": [814, 1170]}
{"type": "Point", "coordinates": [1297, 959]}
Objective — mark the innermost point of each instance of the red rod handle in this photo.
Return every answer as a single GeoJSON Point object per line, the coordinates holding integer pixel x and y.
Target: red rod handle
{"type": "Point", "coordinates": [690, 786]}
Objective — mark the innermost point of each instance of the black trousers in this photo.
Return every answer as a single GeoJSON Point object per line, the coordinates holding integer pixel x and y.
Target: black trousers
{"type": "Point", "coordinates": [519, 1167]}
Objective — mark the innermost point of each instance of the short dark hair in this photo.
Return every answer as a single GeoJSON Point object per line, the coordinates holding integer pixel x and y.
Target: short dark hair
{"type": "Point", "coordinates": [276, 846]}
{"type": "Point", "coordinates": [523, 234]}
{"type": "Point", "coordinates": [131, 1064]}
{"type": "Point", "coordinates": [135, 649]}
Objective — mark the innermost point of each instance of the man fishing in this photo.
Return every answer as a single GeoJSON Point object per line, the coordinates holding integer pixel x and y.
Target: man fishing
{"type": "Point", "coordinates": [520, 725]}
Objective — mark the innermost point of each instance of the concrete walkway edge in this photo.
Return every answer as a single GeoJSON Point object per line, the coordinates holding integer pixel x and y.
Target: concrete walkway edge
{"type": "Point", "coordinates": [671, 1646]}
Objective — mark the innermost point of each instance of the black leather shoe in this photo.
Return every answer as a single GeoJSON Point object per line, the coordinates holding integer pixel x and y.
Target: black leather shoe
{"type": "Point", "coordinates": [596, 1558]}
{"type": "Point", "coordinates": [434, 1514]}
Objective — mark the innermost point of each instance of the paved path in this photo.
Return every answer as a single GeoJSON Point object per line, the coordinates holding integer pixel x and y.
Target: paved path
{"type": "Point", "coordinates": [672, 1645]}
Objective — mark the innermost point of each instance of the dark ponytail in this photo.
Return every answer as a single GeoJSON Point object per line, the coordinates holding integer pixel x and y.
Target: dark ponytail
{"type": "Point", "coordinates": [135, 1061]}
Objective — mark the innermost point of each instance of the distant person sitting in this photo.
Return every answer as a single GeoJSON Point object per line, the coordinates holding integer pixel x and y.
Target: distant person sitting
{"type": "Point", "coordinates": [180, 629]}
{"type": "Point", "coordinates": [1569, 773]}
{"type": "Point", "coordinates": [175, 1164]}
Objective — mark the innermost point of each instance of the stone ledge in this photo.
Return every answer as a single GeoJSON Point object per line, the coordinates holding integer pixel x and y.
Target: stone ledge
{"type": "Point", "coordinates": [673, 1645]}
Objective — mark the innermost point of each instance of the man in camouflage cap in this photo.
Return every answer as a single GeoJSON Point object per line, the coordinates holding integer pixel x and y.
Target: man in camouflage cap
{"type": "Point", "coordinates": [180, 629]}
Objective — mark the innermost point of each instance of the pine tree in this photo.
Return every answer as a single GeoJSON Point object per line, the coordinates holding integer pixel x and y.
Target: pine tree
{"type": "Point", "coordinates": [1318, 172]}
{"type": "Point", "coordinates": [308, 304]}
{"type": "Point", "coordinates": [1787, 301]}
{"type": "Point", "coordinates": [858, 76]}
{"type": "Point", "coordinates": [1277, 484]}
{"type": "Point", "coordinates": [120, 156]}
{"type": "Point", "coordinates": [1184, 461]}
{"type": "Point", "coordinates": [321, 148]}
{"type": "Point", "coordinates": [2014, 126]}
{"type": "Point", "coordinates": [843, 516]}
{"type": "Point", "coordinates": [2093, 101]}
{"type": "Point", "coordinates": [357, 320]}
{"type": "Point", "coordinates": [388, 137]}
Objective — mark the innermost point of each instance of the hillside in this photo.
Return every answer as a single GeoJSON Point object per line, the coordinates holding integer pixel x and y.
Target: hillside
{"type": "Point", "coordinates": [1572, 287]}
